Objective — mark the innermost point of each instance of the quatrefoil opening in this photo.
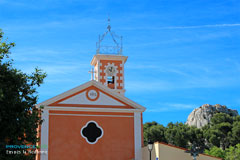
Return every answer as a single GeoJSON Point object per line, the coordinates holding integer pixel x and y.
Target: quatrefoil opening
{"type": "Point", "coordinates": [92, 132]}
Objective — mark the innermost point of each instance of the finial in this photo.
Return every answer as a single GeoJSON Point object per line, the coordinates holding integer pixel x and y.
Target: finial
{"type": "Point", "coordinates": [109, 26]}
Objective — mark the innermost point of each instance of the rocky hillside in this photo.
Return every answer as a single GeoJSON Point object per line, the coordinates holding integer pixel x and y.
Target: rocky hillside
{"type": "Point", "coordinates": [202, 115]}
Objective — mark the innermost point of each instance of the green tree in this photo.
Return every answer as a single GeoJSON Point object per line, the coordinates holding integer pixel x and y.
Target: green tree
{"type": "Point", "coordinates": [195, 135]}
{"type": "Point", "coordinates": [177, 134]}
{"type": "Point", "coordinates": [154, 132]}
{"type": "Point", "coordinates": [19, 118]}
{"type": "Point", "coordinates": [236, 118]}
{"type": "Point", "coordinates": [219, 131]}
{"type": "Point", "coordinates": [219, 118]}
{"type": "Point", "coordinates": [235, 137]}
{"type": "Point", "coordinates": [216, 152]}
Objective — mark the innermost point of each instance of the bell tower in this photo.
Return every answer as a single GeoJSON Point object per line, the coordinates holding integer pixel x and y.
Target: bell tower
{"type": "Point", "coordinates": [109, 62]}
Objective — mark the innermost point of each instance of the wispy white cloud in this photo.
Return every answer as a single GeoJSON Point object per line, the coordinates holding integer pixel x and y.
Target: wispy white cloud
{"type": "Point", "coordinates": [181, 106]}
{"type": "Point", "coordinates": [201, 81]}
{"type": "Point", "coordinates": [49, 60]}
{"type": "Point", "coordinates": [166, 107]}
{"type": "Point", "coordinates": [201, 26]}
{"type": "Point", "coordinates": [43, 24]}
{"type": "Point", "coordinates": [150, 85]}
{"type": "Point", "coordinates": [183, 27]}
{"type": "Point", "coordinates": [10, 2]}
{"type": "Point", "coordinates": [163, 68]}
{"type": "Point", "coordinates": [56, 69]}
{"type": "Point", "coordinates": [186, 76]}
{"type": "Point", "coordinates": [52, 69]}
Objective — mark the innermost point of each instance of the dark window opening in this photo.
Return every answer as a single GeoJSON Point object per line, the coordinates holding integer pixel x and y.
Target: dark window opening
{"type": "Point", "coordinates": [110, 80]}
{"type": "Point", "coordinates": [92, 132]}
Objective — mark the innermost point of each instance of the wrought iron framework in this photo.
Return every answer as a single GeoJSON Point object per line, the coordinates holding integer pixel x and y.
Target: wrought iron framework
{"type": "Point", "coordinates": [103, 49]}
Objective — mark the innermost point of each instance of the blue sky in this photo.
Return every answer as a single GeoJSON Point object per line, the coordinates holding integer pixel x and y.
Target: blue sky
{"type": "Point", "coordinates": [182, 54]}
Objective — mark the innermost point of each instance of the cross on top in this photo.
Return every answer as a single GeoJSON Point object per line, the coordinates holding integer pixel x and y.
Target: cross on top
{"type": "Point", "coordinates": [92, 73]}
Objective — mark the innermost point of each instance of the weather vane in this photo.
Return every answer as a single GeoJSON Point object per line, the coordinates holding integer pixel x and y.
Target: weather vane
{"type": "Point", "coordinates": [109, 49]}
{"type": "Point", "coordinates": [109, 26]}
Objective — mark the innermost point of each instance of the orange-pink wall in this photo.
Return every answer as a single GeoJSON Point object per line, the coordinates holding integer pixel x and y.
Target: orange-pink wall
{"type": "Point", "coordinates": [66, 142]}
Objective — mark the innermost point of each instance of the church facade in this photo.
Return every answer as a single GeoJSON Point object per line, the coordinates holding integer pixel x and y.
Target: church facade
{"type": "Point", "coordinates": [94, 121]}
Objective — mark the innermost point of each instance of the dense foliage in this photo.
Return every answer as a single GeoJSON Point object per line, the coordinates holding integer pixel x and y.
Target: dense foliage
{"type": "Point", "coordinates": [19, 118]}
{"type": "Point", "coordinates": [221, 138]}
{"type": "Point", "coordinates": [215, 151]}
{"type": "Point", "coordinates": [231, 153]}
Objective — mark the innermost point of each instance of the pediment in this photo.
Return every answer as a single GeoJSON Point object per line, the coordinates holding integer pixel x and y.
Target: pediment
{"type": "Point", "coordinates": [93, 95]}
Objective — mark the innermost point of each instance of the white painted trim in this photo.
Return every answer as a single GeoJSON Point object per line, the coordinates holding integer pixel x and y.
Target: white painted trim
{"type": "Point", "coordinates": [99, 70]}
{"type": "Point", "coordinates": [137, 136]}
{"type": "Point", "coordinates": [90, 115]}
{"type": "Point", "coordinates": [65, 94]}
{"type": "Point", "coordinates": [115, 82]}
{"type": "Point", "coordinates": [99, 98]}
{"type": "Point", "coordinates": [97, 85]}
{"type": "Point", "coordinates": [123, 77]}
{"type": "Point", "coordinates": [91, 109]}
{"type": "Point", "coordinates": [86, 126]}
{"type": "Point", "coordinates": [45, 133]}
{"type": "Point", "coordinates": [98, 57]}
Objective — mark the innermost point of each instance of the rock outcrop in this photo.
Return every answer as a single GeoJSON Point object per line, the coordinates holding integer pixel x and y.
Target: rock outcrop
{"type": "Point", "coordinates": [202, 115]}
